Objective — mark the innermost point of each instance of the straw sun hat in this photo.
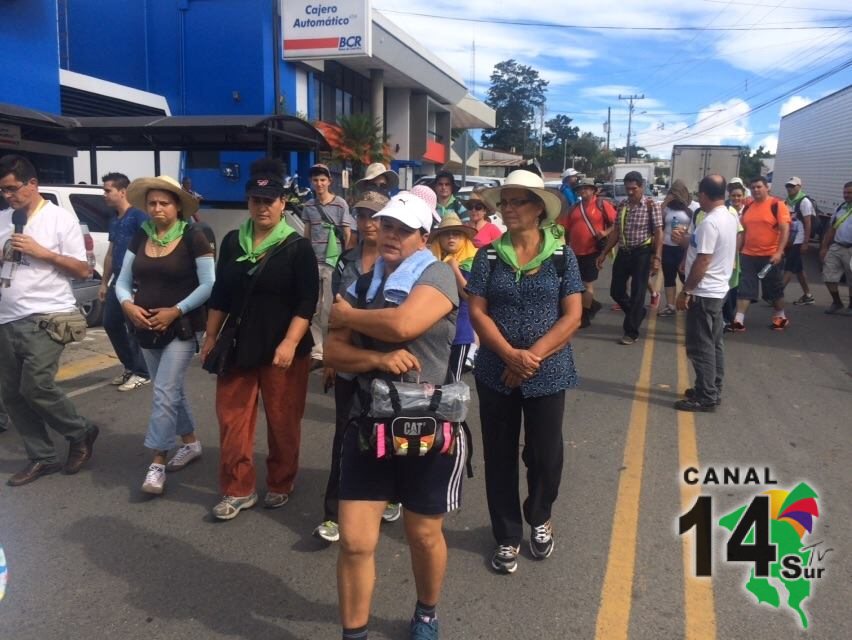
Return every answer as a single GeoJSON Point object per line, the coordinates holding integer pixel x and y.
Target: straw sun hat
{"type": "Point", "coordinates": [138, 190]}
{"type": "Point", "coordinates": [521, 179]}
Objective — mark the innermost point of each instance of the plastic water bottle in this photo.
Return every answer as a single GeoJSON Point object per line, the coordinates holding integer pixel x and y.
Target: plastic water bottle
{"type": "Point", "coordinates": [766, 269]}
{"type": "Point", "coordinates": [413, 396]}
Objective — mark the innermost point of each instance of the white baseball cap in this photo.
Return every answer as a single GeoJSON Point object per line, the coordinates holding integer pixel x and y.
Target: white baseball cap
{"type": "Point", "coordinates": [410, 210]}
{"type": "Point", "coordinates": [794, 181]}
{"type": "Point", "coordinates": [570, 172]}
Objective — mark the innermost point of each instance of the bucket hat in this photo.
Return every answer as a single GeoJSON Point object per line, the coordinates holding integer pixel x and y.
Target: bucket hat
{"type": "Point", "coordinates": [451, 222]}
{"type": "Point", "coordinates": [374, 171]}
{"type": "Point", "coordinates": [522, 179]}
{"type": "Point", "coordinates": [139, 188]}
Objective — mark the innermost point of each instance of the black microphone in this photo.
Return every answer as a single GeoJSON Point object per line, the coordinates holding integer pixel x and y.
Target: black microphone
{"type": "Point", "coordinates": [19, 219]}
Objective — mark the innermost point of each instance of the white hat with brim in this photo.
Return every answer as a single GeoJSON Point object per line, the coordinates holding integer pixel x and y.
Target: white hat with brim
{"type": "Point", "coordinates": [138, 190]}
{"type": "Point", "coordinates": [521, 179]}
{"type": "Point", "coordinates": [408, 209]}
{"type": "Point", "coordinates": [451, 222]}
{"type": "Point", "coordinates": [374, 171]}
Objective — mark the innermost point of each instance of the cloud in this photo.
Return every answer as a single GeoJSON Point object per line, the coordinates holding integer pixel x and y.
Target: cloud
{"type": "Point", "coordinates": [794, 104]}
{"type": "Point", "coordinates": [770, 143]}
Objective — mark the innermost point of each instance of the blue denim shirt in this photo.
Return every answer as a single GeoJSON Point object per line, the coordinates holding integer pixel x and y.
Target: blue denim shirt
{"type": "Point", "coordinates": [524, 311]}
{"type": "Point", "coordinates": [121, 230]}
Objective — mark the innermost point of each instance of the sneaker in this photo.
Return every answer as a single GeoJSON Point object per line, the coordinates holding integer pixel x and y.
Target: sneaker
{"type": "Point", "coordinates": [183, 456]}
{"type": "Point", "coordinates": [392, 512]}
{"type": "Point", "coordinates": [728, 328]}
{"type": "Point", "coordinates": [121, 379]}
{"type": "Point", "coordinates": [689, 394]}
{"type": "Point", "coordinates": [155, 479]}
{"type": "Point", "coordinates": [505, 559]}
{"type": "Point", "coordinates": [833, 308]}
{"type": "Point", "coordinates": [737, 327]}
{"type": "Point", "coordinates": [541, 541]}
{"type": "Point", "coordinates": [694, 405]}
{"type": "Point", "coordinates": [273, 500]}
{"type": "Point", "coordinates": [230, 506]}
{"type": "Point", "coordinates": [779, 324]}
{"type": "Point", "coordinates": [134, 382]}
{"type": "Point", "coordinates": [423, 628]}
{"type": "Point", "coordinates": [655, 299]}
{"type": "Point", "coordinates": [667, 311]}
{"type": "Point", "coordinates": [806, 298]}
{"type": "Point", "coordinates": [328, 531]}
{"type": "Point", "coordinates": [627, 340]}
{"type": "Point", "coordinates": [615, 307]}
{"type": "Point", "coordinates": [846, 312]}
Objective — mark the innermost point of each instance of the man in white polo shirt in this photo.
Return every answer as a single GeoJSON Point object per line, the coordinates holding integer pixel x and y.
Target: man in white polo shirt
{"type": "Point", "coordinates": [49, 251]}
{"type": "Point", "coordinates": [710, 260]}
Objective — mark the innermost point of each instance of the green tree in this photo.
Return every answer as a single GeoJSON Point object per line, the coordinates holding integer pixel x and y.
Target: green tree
{"type": "Point", "coordinates": [637, 153]}
{"type": "Point", "coordinates": [359, 142]}
{"type": "Point", "coordinates": [751, 162]}
{"type": "Point", "coordinates": [516, 93]}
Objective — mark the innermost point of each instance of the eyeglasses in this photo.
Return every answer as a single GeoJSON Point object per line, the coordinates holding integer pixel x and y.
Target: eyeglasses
{"type": "Point", "coordinates": [8, 191]}
{"type": "Point", "coordinates": [477, 206]}
{"type": "Point", "coordinates": [515, 203]}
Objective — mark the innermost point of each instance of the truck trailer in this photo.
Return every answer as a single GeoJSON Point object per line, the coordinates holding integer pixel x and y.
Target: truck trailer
{"type": "Point", "coordinates": [815, 144]}
{"type": "Point", "coordinates": [645, 168]}
{"type": "Point", "coordinates": [691, 162]}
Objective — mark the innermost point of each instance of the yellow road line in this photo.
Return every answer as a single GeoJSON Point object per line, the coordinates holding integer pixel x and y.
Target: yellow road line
{"type": "Point", "coordinates": [698, 601]}
{"type": "Point", "coordinates": [84, 366]}
{"type": "Point", "coordinates": [617, 593]}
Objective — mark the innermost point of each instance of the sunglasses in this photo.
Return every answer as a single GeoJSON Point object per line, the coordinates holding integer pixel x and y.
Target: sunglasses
{"type": "Point", "coordinates": [477, 206]}
{"type": "Point", "coordinates": [514, 202]}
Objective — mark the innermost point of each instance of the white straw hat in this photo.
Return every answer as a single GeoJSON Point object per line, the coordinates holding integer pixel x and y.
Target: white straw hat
{"type": "Point", "coordinates": [521, 179]}
{"type": "Point", "coordinates": [138, 190]}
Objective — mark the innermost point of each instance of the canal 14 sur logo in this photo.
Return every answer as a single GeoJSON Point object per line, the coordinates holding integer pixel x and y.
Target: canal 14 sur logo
{"type": "Point", "coordinates": [774, 532]}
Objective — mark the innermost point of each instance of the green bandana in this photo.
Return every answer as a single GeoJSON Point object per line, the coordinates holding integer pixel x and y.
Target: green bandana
{"type": "Point", "coordinates": [171, 235]}
{"type": "Point", "coordinates": [550, 243]}
{"type": "Point", "coordinates": [792, 202]}
{"type": "Point", "coordinates": [250, 252]}
{"type": "Point", "coordinates": [332, 249]}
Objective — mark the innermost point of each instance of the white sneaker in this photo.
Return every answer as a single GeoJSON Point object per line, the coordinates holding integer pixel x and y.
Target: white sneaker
{"type": "Point", "coordinates": [121, 379]}
{"type": "Point", "coordinates": [134, 382]}
{"type": "Point", "coordinates": [392, 512]}
{"type": "Point", "coordinates": [155, 479]}
{"type": "Point", "coordinates": [183, 456]}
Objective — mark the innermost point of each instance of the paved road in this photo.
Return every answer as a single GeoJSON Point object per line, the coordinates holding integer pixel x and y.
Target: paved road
{"type": "Point", "coordinates": [90, 557]}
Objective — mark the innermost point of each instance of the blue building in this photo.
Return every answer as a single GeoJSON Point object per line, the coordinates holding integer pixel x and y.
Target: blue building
{"type": "Point", "coordinates": [220, 57]}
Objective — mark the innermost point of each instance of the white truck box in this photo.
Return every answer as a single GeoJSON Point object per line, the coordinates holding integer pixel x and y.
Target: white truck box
{"type": "Point", "coordinates": [691, 162]}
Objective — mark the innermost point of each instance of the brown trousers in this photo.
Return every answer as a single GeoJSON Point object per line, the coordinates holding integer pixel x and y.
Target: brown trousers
{"type": "Point", "coordinates": [284, 392]}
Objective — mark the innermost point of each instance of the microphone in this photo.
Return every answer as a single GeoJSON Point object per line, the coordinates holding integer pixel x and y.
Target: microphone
{"type": "Point", "coordinates": [10, 264]}
{"type": "Point", "coordinates": [19, 219]}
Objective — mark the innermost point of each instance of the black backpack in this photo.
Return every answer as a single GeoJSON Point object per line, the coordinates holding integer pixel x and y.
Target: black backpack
{"type": "Point", "coordinates": [560, 260]}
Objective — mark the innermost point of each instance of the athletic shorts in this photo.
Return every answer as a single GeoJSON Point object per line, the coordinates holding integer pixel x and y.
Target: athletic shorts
{"type": "Point", "coordinates": [793, 259]}
{"type": "Point", "coordinates": [428, 486]}
{"type": "Point", "coordinates": [771, 287]}
{"type": "Point", "coordinates": [588, 267]}
{"type": "Point", "coordinates": [837, 262]}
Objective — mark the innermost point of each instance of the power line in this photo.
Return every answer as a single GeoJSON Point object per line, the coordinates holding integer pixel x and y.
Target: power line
{"type": "Point", "coordinates": [555, 25]}
{"type": "Point", "coordinates": [791, 8]}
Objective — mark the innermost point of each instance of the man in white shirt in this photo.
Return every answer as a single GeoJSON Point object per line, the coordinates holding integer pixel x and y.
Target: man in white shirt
{"type": "Point", "coordinates": [710, 260]}
{"type": "Point", "coordinates": [803, 215]}
{"type": "Point", "coordinates": [47, 252]}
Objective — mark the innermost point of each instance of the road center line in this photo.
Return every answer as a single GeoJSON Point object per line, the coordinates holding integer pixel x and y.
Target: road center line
{"type": "Point", "coordinates": [617, 592]}
{"type": "Point", "coordinates": [698, 601]}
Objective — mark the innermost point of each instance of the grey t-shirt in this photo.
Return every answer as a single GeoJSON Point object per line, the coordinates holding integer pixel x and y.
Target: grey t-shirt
{"type": "Point", "coordinates": [432, 348]}
{"type": "Point", "coordinates": [337, 211]}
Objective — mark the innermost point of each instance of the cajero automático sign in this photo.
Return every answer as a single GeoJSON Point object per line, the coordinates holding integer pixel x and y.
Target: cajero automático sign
{"type": "Point", "coordinates": [326, 28]}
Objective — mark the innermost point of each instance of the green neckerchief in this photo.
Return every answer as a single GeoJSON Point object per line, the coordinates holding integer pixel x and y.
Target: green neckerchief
{"type": "Point", "coordinates": [792, 202]}
{"type": "Point", "coordinates": [841, 219]}
{"type": "Point", "coordinates": [171, 235]}
{"type": "Point", "coordinates": [332, 247]}
{"type": "Point", "coordinates": [250, 252]}
{"type": "Point", "coordinates": [503, 247]}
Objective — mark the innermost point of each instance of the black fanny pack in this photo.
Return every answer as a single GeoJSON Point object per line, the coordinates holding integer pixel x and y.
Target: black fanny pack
{"type": "Point", "coordinates": [180, 329]}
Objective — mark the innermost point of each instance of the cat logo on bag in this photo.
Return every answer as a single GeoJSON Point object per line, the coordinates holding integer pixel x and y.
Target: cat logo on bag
{"type": "Point", "coordinates": [413, 428]}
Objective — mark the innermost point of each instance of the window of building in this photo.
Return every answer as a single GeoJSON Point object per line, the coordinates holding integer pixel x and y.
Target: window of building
{"type": "Point", "coordinates": [202, 159]}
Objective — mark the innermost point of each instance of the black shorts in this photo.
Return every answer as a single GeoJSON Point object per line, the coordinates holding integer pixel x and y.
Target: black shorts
{"type": "Point", "coordinates": [793, 259]}
{"type": "Point", "coordinates": [588, 267]}
{"type": "Point", "coordinates": [429, 486]}
{"type": "Point", "coordinates": [672, 257]}
{"type": "Point", "coordinates": [771, 287]}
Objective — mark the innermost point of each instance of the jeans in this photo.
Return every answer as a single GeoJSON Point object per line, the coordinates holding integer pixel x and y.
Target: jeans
{"type": "Point", "coordinates": [704, 347]}
{"type": "Point", "coordinates": [636, 266]}
{"type": "Point", "coordinates": [121, 336]}
{"type": "Point", "coordinates": [542, 455]}
{"type": "Point", "coordinates": [170, 414]}
{"type": "Point", "coordinates": [30, 359]}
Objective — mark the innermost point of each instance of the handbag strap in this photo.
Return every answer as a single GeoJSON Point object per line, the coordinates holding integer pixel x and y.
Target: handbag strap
{"type": "Point", "coordinates": [258, 269]}
{"type": "Point", "coordinates": [586, 219]}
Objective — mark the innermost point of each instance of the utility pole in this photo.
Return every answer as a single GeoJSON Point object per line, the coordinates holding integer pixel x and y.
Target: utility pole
{"type": "Point", "coordinates": [608, 125]}
{"type": "Point", "coordinates": [631, 98]}
{"type": "Point", "coordinates": [541, 133]}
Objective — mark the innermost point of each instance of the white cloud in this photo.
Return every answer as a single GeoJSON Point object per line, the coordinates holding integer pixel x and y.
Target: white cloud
{"type": "Point", "coordinates": [770, 143]}
{"type": "Point", "coordinates": [794, 104]}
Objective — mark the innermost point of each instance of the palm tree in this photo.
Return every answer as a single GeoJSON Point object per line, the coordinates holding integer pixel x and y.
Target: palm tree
{"type": "Point", "coordinates": [357, 140]}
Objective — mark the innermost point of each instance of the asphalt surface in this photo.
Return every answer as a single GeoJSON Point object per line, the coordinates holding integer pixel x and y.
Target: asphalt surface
{"type": "Point", "coordinates": [90, 556]}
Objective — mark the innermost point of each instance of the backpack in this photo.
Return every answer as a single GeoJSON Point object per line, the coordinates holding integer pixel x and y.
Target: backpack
{"type": "Point", "coordinates": [773, 207]}
{"type": "Point", "coordinates": [797, 210]}
{"type": "Point", "coordinates": [559, 263]}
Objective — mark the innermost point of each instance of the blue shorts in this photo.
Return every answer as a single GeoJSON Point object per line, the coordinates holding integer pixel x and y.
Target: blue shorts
{"type": "Point", "coordinates": [772, 286]}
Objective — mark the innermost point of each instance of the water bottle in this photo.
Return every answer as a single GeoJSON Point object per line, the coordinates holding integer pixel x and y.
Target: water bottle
{"type": "Point", "coordinates": [414, 396]}
{"type": "Point", "coordinates": [766, 269]}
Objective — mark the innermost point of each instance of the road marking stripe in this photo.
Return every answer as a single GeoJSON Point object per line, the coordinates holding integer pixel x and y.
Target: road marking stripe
{"type": "Point", "coordinates": [617, 592]}
{"type": "Point", "coordinates": [91, 387]}
{"type": "Point", "coordinates": [698, 602]}
{"type": "Point", "coordinates": [85, 365]}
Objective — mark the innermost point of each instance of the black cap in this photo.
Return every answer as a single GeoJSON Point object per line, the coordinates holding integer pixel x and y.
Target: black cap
{"type": "Point", "coordinates": [634, 176]}
{"type": "Point", "coordinates": [264, 186]}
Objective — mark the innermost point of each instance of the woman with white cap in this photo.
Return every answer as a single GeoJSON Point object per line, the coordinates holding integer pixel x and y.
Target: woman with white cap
{"type": "Point", "coordinates": [524, 295]}
{"type": "Point", "coordinates": [171, 265]}
{"type": "Point", "coordinates": [267, 284]}
{"type": "Point", "coordinates": [397, 321]}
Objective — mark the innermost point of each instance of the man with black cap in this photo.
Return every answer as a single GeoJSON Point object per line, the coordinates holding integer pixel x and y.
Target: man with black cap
{"type": "Point", "coordinates": [639, 239]}
{"type": "Point", "coordinates": [328, 225]}
{"type": "Point", "coordinates": [445, 188]}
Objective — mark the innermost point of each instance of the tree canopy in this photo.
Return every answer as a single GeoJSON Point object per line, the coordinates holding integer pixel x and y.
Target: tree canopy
{"type": "Point", "coordinates": [516, 93]}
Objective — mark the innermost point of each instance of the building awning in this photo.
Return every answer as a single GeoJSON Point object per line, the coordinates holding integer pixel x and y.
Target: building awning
{"type": "Point", "coordinates": [470, 113]}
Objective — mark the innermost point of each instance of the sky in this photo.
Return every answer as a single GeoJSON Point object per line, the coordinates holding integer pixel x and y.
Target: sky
{"type": "Point", "coordinates": [700, 86]}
